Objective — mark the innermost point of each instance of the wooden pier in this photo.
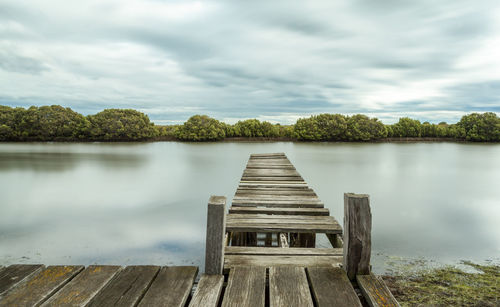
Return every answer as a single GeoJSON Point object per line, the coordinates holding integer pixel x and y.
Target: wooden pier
{"type": "Point", "coordinates": [260, 252]}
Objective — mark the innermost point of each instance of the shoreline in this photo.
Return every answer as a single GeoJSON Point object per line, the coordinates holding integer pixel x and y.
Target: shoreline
{"type": "Point", "coordinates": [264, 140]}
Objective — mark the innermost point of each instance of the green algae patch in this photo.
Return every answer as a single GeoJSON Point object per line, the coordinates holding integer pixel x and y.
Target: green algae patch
{"type": "Point", "coordinates": [448, 286]}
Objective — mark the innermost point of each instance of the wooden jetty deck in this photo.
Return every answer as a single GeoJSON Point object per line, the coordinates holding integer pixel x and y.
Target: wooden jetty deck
{"type": "Point", "coordinates": [260, 253]}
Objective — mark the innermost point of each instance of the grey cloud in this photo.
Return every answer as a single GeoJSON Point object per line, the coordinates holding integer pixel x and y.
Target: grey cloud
{"type": "Point", "coordinates": [20, 64]}
{"type": "Point", "coordinates": [249, 59]}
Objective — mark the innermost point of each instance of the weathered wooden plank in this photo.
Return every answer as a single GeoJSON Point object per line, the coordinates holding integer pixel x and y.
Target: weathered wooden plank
{"type": "Point", "coordinates": [357, 236]}
{"type": "Point", "coordinates": [244, 250]}
{"type": "Point", "coordinates": [127, 288]}
{"type": "Point", "coordinates": [253, 192]}
{"type": "Point", "coordinates": [292, 198]}
{"type": "Point", "coordinates": [279, 205]}
{"type": "Point", "coordinates": [375, 291]}
{"type": "Point", "coordinates": [274, 185]}
{"type": "Point", "coordinates": [280, 211]}
{"type": "Point", "coordinates": [216, 223]}
{"type": "Point", "coordinates": [268, 154]}
{"type": "Point", "coordinates": [171, 287]}
{"type": "Point", "coordinates": [81, 289]}
{"type": "Point", "coordinates": [267, 166]}
{"type": "Point", "coordinates": [208, 292]}
{"type": "Point", "coordinates": [288, 286]}
{"type": "Point", "coordinates": [331, 287]}
{"type": "Point", "coordinates": [271, 227]}
{"type": "Point", "coordinates": [257, 202]}
{"type": "Point", "coordinates": [270, 173]}
{"type": "Point", "coordinates": [14, 274]}
{"type": "Point", "coordinates": [262, 178]}
{"type": "Point", "coordinates": [246, 287]}
{"type": "Point", "coordinates": [317, 219]}
{"type": "Point", "coordinates": [40, 286]}
{"type": "Point", "coordinates": [280, 260]}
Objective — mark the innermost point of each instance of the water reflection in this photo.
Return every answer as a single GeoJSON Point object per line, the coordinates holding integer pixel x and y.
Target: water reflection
{"type": "Point", "coordinates": [146, 203]}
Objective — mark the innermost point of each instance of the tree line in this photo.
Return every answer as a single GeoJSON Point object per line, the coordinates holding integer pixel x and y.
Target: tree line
{"type": "Point", "coordinates": [56, 123]}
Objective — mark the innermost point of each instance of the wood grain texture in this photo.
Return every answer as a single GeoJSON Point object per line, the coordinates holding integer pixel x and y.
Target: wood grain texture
{"type": "Point", "coordinates": [331, 287]}
{"type": "Point", "coordinates": [288, 286]}
{"type": "Point", "coordinates": [375, 291]}
{"type": "Point", "coordinates": [280, 211]}
{"type": "Point", "coordinates": [231, 261]}
{"type": "Point", "coordinates": [357, 235]}
{"type": "Point", "coordinates": [291, 251]}
{"type": "Point", "coordinates": [215, 240]}
{"type": "Point", "coordinates": [208, 292]}
{"type": "Point", "coordinates": [14, 274]}
{"type": "Point", "coordinates": [81, 289]}
{"type": "Point", "coordinates": [171, 287]}
{"type": "Point", "coordinates": [40, 286]}
{"type": "Point", "coordinates": [127, 287]}
{"type": "Point", "coordinates": [246, 287]}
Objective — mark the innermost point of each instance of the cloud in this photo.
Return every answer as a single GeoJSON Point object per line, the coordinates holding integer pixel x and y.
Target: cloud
{"type": "Point", "coordinates": [271, 60]}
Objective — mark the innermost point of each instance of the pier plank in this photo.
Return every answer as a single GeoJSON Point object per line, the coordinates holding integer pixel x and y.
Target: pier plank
{"type": "Point", "coordinates": [375, 291]}
{"type": "Point", "coordinates": [288, 286]}
{"type": "Point", "coordinates": [40, 286]}
{"type": "Point", "coordinates": [81, 289]}
{"type": "Point", "coordinates": [331, 287]}
{"type": "Point", "coordinates": [292, 198]}
{"type": "Point", "coordinates": [127, 288]}
{"type": "Point", "coordinates": [292, 251]}
{"type": "Point", "coordinates": [275, 178]}
{"type": "Point", "coordinates": [231, 261]}
{"type": "Point", "coordinates": [246, 287]}
{"type": "Point", "coordinates": [280, 211]}
{"type": "Point", "coordinates": [171, 287]}
{"type": "Point", "coordinates": [14, 274]}
{"type": "Point", "coordinates": [208, 292]}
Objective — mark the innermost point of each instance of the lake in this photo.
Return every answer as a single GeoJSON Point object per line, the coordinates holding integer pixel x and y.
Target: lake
{"type": "Point", "coordinates": [145, 203]}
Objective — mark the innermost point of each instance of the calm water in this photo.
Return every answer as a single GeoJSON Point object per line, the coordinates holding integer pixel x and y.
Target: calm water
{"type": "Point", "coordinates": [146, 203]}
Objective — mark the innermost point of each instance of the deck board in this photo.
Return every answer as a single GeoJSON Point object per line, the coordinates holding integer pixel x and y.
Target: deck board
{"type": "Point", "coordinates": [208, 291]}
{"type": "Point", "coordinates": [246, 287]}
{"type": "Point", "coordinates": [375, 291]}
{"type": "Point", "coordinates": [14, 274]}
{"type": "Point", "coordinates": [127, 288]}
{"type": "Point", "coordinates": [171, 287]}
{"type": "Point", "coordinates": [331, 287]}
{"type": "Point", "coordinates": [81, 289]}
{"type": "Point", "coordinates": [39, 287]}
{"type": "Point", "coordinates": [288, 286]}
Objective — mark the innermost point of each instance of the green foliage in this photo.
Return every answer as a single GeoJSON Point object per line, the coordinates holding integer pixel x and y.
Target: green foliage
{"type": "Point", "coordinates": [362, 128]}
{"type": "Point", "coordinates": [255, 128]}
{"type": "Point", "coordinates": [407, 127]}
{"type": "Point", "coordinates": [201, 128]}
{"type": "Point", "coordinates": [479, 127]}
{"type": "Point", "coordinates": [323, 127]}
{"type": "Point", "coordinates": [121, 125]}
{"type": "Point", "coordinates": [55, 123]}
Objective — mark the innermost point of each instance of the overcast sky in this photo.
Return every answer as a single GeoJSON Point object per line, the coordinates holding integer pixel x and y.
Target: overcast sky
{"type": "Point", "coordinates": [272, 60]}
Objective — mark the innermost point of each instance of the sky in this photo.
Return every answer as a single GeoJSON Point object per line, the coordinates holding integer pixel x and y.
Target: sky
{"type": "Point", "coordinates": [272, 60]}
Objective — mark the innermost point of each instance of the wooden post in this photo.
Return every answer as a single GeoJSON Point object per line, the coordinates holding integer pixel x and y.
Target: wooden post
{"type": "Point", "coordinates": [216, 228]}
{"type": "Point", "coordinates": [357, 234]}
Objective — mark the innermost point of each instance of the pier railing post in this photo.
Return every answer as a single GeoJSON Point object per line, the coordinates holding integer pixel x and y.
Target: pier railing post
{"type": "Point", "coordinates": [357, 234]}
{"type": "Point", "coordinates": [216, 226]}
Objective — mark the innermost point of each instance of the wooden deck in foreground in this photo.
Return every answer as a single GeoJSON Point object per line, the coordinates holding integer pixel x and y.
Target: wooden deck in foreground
{"type": "Point", "coordinates": [260, 253]}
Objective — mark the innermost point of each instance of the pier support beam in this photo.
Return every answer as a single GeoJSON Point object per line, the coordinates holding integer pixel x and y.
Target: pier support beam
{"type": "Point", "coordinates": [357, 234]}
{"type": "Point", "coordinates": [216, 227]}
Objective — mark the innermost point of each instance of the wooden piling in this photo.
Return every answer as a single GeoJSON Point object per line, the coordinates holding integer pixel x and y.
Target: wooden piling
{"type": "Point", "coordinates": [357, 234]}
{"type": "Point", "coordinates": [216, 225]}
